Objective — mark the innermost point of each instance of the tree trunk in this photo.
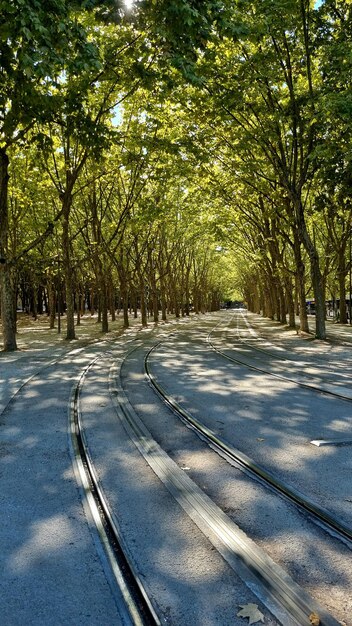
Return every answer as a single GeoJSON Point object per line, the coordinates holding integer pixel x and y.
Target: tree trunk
{"type": "Point", "coordinates": [187, 291]}
{"type": "Point", "coordinates": [79, 305]}
{"type": "Point", "coordinates": [135, 305]}
{"type": "Point", "coordinates": [104, 305]}
{"type": "Point", "coordinates": [126, 321]}
{"type": "Point", "coordinates": [155, 307]}
{"type": "Point", "coordinates": [290, 303]}
{"type": "Point", "coordinates": [316, 276]}
{"type": "Point", "coordinates": [319, 294]}
{"type": "Point", "coordinates": [143, 305]}
{"type": "Point", "coordinates": [8, 316]}
{"type": "Point", "coordinates": [342, 272]}
{"type": "Point", "coordinates": [282, 300]}
{"type": "Point", "coordinates": [300, 284]}
{"type": "Point", "coordinates": [92, 299]}
{"type": "Point", "coordinates": [154, 296]}
{"type": "Point", "coordinates": [176, 301]}
{"type": "Point", "coordinates": [66, 262]}
{"type": "Point", "coordinates": [34, 301]}
{"type": "Point", "coordinates": [112, 302]}
{"type": "Point", "coordinates": [124, 298]}
{"type": "Point", "coordinates": [52, 303]}
{"type": "Point", "coordinates": [163, 300]}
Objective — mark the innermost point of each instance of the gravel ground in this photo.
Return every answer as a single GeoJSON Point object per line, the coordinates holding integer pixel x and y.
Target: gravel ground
{"type": "Point", "coordinates": [270, 419]}
{"type": "Point", "coordinates": [51, 572]}
{"type": "Point", "coordinates": [50, 569]}
{"type": "Point", "coordinates": [188, 581]}
{"type": "Point", "coordinates": [273, 422]}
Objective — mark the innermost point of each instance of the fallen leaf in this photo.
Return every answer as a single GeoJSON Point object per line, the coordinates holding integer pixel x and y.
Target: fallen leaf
{"type": "Point", "coordinates": [260, 439]}
{"type": "Point", "coordinates": [252, 612]}
{"type": "Point", "coordinates": [314, 619]}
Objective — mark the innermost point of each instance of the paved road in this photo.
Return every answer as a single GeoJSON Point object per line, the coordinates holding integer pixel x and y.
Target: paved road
{"type": "Point", "coordinates": [51, 569]}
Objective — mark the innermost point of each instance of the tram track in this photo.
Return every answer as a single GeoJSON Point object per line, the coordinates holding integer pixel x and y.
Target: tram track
{"type": "Point", "coordinates": [33, 410]}
{"type": "Point", "coordinates": [309, 360]}
{"type": "Point", "coordinates": [254, 565]}
{"type": "Point", "coordinates": [267, 370]}
{"type": "Point", "coordinates": [319, 515]}
{"type": "Point", "coordinates": [131, 594]}
{"type": "Point", "coordinates": [131, 600]}
{"type": "Point", "coordinates": [286, 598]}
{"type": "Point", "coordinates": [49, 364]}
{"type": "Point", "coordinates": [322, 518]}
{"type": "Point", "coordinates": [110, 488]}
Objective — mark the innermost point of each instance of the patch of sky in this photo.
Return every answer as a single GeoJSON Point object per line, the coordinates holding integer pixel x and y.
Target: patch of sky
{"type": "Point", "coordinates": [116, 118]}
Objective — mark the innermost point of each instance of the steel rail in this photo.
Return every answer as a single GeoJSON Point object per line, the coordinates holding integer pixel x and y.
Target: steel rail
{"type": "Point", "coordinates": [275, 588]}
{"type": "Point", "coordinates": [333, 340]}
{"type": "Point", "coordinates": [255, 368]}
{"type": "Point", "coordinates": [236, 317]}
{"type": "Point", "coordinates": [132, 599]}
{"type": "Point", "coordinates": [341, 441]}
{"type": "Point", "coordinates": [318, 514]}
{"type": "Point", "coordinates": [66, 354]}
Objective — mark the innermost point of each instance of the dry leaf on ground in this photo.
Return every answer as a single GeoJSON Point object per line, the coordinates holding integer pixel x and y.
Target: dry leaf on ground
{"type": "Point", "coordinates": [252, 612]}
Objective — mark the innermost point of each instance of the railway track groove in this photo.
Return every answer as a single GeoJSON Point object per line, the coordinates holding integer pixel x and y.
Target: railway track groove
{"type": "Point", "coordinates": [131, 595]}
{"type": "Point", "coordinates": [319, 515]}
{"type": "Point", "coordinates": [255, 567]}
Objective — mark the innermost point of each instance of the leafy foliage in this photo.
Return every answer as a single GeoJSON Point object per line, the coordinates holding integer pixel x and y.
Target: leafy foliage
{"type": "Point", "coordinates": [177, 140]}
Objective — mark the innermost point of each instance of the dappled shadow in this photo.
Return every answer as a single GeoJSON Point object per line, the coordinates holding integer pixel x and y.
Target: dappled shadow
{"type": "Point", "coordinates": [189, 580]}
{"type": "Point", "coordinates": [49, 569]}
{"type": "Point", "coordinates": [320, 364]}
{"type": "Point", "coordinates": [272, 421]}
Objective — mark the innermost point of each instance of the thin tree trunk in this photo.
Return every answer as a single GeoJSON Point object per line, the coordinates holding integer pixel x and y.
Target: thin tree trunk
{"type": "Point", "coordinates": [290, 303]}
{"type": "Point", "coordinates": [79, 304]}
{"type": "Point", "coordinates": [163, 300]}
{"type": "Point", "coordinates": [8, 317]}
{"type": "Point", "coordinates": [126, 321]}
{"type": "Point", "coordinates": [112, 302]}
{"type": "Point", "coordinates": [143, 305]}
{"type": "Point", "coordinates": [66, 262]}
{"type": "Point", "coordinates": [342, 272]}
{"type": "Point", "coordinates": [92, 303]}
{"type": "Point", "coordinates": [316, 275]}
{"type": "Point", "coordinates": [300, 284]}
{"type": "Point", "coordinates": [282, 300]}
{"type": "Point", "coordinates": [104, 305]}
{"type": "Point", "coordinates": [52, 303]}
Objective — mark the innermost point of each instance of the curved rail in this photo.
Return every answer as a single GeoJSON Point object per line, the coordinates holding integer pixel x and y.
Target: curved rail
{"type": "Point", "coordinates": [131, 597]}
{"type": "Point", "coordinates": [255, 368]}
{"type": "Point", "coordinates": [284, 598]}
{"type": "Point", "coordinates": [264, 350]}
{"type": "Point", "coordinates": [55, 361]}
{"type": "Point", "coordinates": [320, 515]}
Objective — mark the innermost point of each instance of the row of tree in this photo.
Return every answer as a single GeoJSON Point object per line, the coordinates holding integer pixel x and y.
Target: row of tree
{"type": "Point", "coordinates": [273, 111]}
{"type": "Point", "coordinates": [132, 240]}
{"type": "Point", "coordinates": [165, 155]}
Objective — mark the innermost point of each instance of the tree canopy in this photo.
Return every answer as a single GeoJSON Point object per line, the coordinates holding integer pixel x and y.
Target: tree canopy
{"type": "Point", "coordinates": [171, 156]}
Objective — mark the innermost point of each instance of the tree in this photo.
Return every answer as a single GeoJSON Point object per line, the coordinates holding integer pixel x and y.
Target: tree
{"type": "Point", "coordinates": [37, 43]}
{"type": "Point", "coordinates": [261, 88]}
